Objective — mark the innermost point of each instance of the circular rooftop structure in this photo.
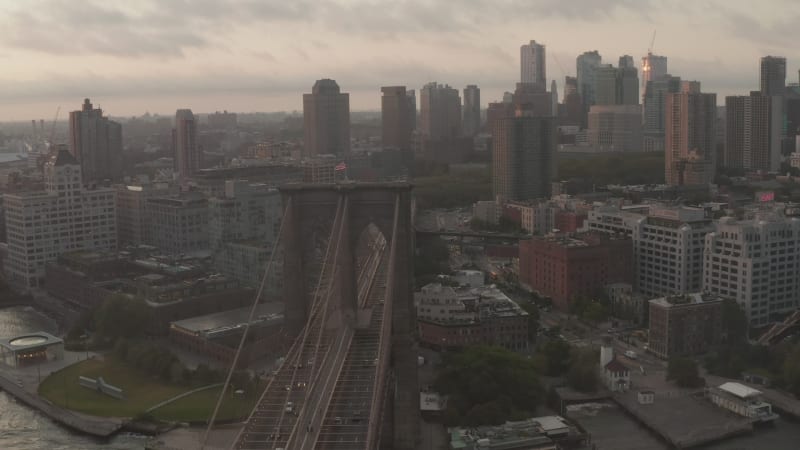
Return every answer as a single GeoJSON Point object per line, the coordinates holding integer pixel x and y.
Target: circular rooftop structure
{"type": "Point", "coordinates": [26, 341]}
{"type": "Point", "coordinates": [32, 348]}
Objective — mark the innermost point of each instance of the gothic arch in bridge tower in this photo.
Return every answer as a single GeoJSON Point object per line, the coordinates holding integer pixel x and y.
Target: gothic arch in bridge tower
{"type": "Point", "coordinates": [346, 211]}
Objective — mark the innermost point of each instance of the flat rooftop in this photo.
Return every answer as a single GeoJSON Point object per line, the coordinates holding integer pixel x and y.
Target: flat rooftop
{"type": "Point", "coordinates": [524, 434]}
{"type": "Point", "coordinates": [696, 298]}
{"type": "Point", "coordinates": [270, 311]}
{"type": "Point", "coordinates": [739, 390]}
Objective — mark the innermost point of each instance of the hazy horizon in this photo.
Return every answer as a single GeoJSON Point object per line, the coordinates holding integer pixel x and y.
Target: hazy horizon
{"type": "Point", "coordinates": [261, 56]}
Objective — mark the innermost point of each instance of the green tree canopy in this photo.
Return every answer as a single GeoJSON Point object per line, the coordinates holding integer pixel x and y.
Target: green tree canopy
{"type": "Point", "coordinates": [583, 373]}
{"type": "Point", "coordinates": [734, 322]}
{"type": "Point", "coordinates": [791, 370]}
{"type": "Point", "coordinates": [684, 372]}
{"type": "Point", "coordinates": [432, 258]}
{"type": "Point", "coordinates": [488, 385]}
{"type": "Point", "coordinates": [121, 317]}
{"type": "Point", "coordinates": [557, 357]}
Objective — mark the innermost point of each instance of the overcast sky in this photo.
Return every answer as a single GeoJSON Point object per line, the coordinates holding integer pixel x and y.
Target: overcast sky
{"type": "Point", "coordinates": [260, 55]}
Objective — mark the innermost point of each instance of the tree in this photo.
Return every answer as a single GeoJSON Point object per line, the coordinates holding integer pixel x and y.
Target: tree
{"type": "Point", "coordinates": [684, 372]}
{"type": "Point", "coordinates": [583, 371]}
{"type": "Point", "coordinates": [457, 189]}
{"type": "Point", "coordinates": [791, 370]}
{"type": "Point", "coordinates": [432, 258]}
{"type": "Point", "coordinates": [557, 357]}
{"type": "Point", "coordinates": [488, 385]}
{"type": "Point", "coordinates": [596, 312]}
{"type": "Point", "coordinates": [176, 373]}
{"type": "Point", "coordinates": [734, 322]}
{"type": "Point", "coordinates": [787, 168]}
{"type": "Point", "coordinates": [121, 349]}
{"type": "Point", "coordinates": [121, 317]}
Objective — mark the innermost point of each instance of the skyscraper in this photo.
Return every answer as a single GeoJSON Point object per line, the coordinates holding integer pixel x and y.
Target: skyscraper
{"type": "Point", "coordinates": [773, 75]}
{"type": "Point", "coordinates": [628, 85]}
{"type": "Point", "coordinates": [605, 85]}
{"type": "Point", "coordinates": [326, 120]}
{"type": "Point", "coordinates": [411, 99]}
{"type": "Point", "coordinates": [586, 65]}
{"type": "Point", "coordinates": [690, 136]}
{"type": "Point", "coordinates": [773, 85]}
{"type": "Point", "coordinates": [750, 142]}
{"type": "Point", "coordinates": [395, 117]}
{"type": "Point", "coordinates": [570, 86]}
{"type": "Point", "coordinates": [533, 99]}
{"type": "Point", "coordinates": [626, 62]}
{"type": "Point", "coordinates": [654, 68]}
{"type": "Point", "coordinates": [532, 64]}
{"type": "Point", "coordinates": [655, 108]}
{"type": "Point", "coordinates": [523, 156]}
{"type": "Point", "coordinates": [615, 128]}
{"type": "Point", "coordinates": [616, 85]}
{"type": "Point", "coordinates": [472, 110]}
{"type": "Point", "coordinates": [184, 142]}
{"type": "Point", "coordinates": [96, 143]}
{"type": "Point", "coordinates": [572, 102]}
{"type": "Point", "coordinates": [440, 111]}
{"type": "Point", "coordinates": [554, 94]}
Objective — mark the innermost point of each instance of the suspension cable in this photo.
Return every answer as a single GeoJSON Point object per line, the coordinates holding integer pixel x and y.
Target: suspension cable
{"type": "Point", "coordinates": [247, 326]}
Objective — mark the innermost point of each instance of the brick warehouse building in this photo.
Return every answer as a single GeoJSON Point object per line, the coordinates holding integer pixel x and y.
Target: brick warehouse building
{"type": "Point", "coordinates": [564, 267]}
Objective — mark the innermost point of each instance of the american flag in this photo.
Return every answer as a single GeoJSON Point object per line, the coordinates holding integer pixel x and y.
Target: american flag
{"type": "Point", "coordinates": [341, 166]}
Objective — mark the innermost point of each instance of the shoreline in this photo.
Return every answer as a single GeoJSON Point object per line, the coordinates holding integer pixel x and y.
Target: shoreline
{"type": "Point", "coordinates": [90, 425]}
{"type": "Point", "coordinates": [21, 387]}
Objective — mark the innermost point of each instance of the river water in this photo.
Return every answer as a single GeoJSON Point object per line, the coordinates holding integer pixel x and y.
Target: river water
{"type": "Point", "coordinates": [22, 428]}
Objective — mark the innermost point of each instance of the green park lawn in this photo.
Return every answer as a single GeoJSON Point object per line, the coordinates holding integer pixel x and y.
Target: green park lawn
{"type": "Point", "coordinates": [197, 407]}
{"type": "Point", "coordinates": [142, 391]}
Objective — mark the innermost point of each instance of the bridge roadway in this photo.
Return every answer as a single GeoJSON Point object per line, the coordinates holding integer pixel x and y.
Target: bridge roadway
{"type": "Point", "coordinates": [292, 411]}
{"type": "Point", "coordinates": [345, 424]}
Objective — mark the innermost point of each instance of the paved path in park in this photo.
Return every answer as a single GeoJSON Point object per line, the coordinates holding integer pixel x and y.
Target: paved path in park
{"type": "Point", "coordinates": [180, 396]}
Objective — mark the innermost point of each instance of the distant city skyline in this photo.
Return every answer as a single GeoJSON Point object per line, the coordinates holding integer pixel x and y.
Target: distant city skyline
{"type": "Point", "coordinates": [251, 56]}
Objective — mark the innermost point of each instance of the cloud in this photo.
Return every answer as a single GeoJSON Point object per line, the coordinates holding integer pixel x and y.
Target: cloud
{"type": "Point", "coordinates": [90, 27]}
{"type": "Point", "coordinates": [196, 48]}
{"type": "Point", "coordinates": [265, 55]}
{"type": "Point", "coordinates": [778, 34]}
{"type": "Point", "coordinates": [580, 9]}
{"type": "Point", "coordinates": [168, 28]}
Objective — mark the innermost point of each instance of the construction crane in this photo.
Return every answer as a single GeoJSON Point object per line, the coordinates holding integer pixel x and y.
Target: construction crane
{"type": "Point", "coordinates": [652, 43]}
{"type": "Point", "coordinates": [53, 127]}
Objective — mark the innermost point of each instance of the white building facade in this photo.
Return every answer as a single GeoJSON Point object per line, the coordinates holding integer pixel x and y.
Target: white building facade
{"type": "Point", "coordinates": [64, 217]}
{"type": "Point", "coordinates": [668, 250]}
{"type": "Point", "coordinates": [755, 262]}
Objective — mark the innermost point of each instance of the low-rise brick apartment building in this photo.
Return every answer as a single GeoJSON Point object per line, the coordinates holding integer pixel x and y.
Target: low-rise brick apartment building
{"type": "Point", "coordinates": [568, 266]}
